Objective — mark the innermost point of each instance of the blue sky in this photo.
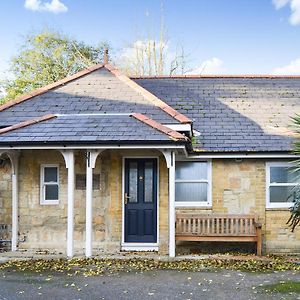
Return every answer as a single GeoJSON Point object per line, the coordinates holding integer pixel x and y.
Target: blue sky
{"type": "Point", "coordinates": [222, 36]}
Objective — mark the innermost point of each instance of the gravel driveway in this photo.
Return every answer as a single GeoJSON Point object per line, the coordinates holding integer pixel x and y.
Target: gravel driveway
{"type": "Point", "coordinates": [160, 284]}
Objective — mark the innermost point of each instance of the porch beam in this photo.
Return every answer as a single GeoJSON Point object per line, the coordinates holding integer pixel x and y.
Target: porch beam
{"type": "Point", "coordinates": [70, 162]}
{"type": "Point", "coordinates": [91, 157]}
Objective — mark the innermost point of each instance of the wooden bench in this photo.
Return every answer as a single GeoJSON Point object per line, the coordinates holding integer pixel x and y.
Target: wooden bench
{"type": "Point", "coordinates": [218, 228]}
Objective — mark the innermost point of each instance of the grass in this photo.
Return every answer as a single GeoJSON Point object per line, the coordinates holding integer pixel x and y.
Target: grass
{"type": "Point", "coordinates": [283, 287]}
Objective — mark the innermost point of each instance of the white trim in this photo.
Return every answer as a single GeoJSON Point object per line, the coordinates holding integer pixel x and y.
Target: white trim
{"type": "Point", "coordinates": [250, 155]}
{"type": "Point", "coordinates": [70, 165]}
{"type": "Point", "coordinates": [43, 201]}
{"type": "Point", "coordinates": [197, 204]}
{"type": "Point", "coordinates": [97, 114]}
{"type": "Point", "coordinates": [140, 248]}
{"type": "Point", "coordinates": [108, 147]}
{"type": "Point", "coordinates": [268, 184]}
{"type": "Point", "coordinates": [179, 127]}
{"type": "Point", "coordinates": [172, 241]}
{"type": "Point", "coordinates": [140, 245]}
{"type": "Point", "coordinates": [129, 245]}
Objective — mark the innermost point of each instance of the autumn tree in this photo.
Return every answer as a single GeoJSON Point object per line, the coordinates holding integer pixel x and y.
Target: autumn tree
{"type": "Point", "coordinates": [46, 57]}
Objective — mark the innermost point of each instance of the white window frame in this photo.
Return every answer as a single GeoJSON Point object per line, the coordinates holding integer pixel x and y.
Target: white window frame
{"type": "Point", "coordinates": [207, 203]}
{"type": "Point", "coordinates": [43, 201]}
{"type": "Point", "coordinates": [268, 184]}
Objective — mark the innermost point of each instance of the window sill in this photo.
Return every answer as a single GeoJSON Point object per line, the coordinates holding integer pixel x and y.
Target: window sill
{"type": "Point", "coordinates": [277, 209]}
{"type": "Point", "coordinates": [52, 202]}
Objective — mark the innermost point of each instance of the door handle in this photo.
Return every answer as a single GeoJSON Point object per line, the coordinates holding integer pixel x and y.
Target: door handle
{"type": "Point", "coordinates": [126, 197]}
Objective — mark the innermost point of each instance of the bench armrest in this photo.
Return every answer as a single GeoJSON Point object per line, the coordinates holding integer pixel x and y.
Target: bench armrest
{"type": "Point", "coordinates": [257, 225]}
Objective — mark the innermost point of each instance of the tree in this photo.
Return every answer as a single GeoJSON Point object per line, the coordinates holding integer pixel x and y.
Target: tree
{"type": "Point", "coordinates": [152, 56]}
{"type": "Point", "coordinates": [294, 219]}
{"type": "Point", "coordinates": [46, 57]}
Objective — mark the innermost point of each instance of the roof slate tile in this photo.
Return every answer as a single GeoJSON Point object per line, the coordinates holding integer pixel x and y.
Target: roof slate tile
{"type": "Point", "coordinates": [242, 114]}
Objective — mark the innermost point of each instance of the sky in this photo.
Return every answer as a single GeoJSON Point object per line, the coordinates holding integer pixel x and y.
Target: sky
{"type": "Point", "coordinates": [220, 36]}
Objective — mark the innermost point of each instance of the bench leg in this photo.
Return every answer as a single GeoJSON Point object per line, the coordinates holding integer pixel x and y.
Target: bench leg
{"type": "Point", "coordinates": [259, 241]}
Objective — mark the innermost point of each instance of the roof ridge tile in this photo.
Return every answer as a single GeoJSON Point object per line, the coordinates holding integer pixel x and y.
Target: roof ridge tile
{"type": "Point", "coordinates": [27, 123]}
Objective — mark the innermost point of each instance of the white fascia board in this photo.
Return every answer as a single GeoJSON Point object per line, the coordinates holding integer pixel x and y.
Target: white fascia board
{"type": "Point", "coordinates": [179, 127]}
{"type": "Point", "coordinates": [244, 156]}
{"type": "Point", "coordinates": [59, 147]}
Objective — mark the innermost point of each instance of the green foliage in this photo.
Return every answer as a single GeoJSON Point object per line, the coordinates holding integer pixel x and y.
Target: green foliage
{"type": "Point", "coordinates": [47, 57]}
{"type": "Point", "coordinates": [294, 219]}
{"type": "Point", "coordinates": [283, 287]}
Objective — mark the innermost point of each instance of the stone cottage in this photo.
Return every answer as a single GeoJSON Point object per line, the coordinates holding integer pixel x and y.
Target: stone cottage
{"type": "Point", "coordinates": [99, 162]}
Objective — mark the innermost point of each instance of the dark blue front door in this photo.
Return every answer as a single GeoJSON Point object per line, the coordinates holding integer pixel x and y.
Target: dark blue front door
{"type": "Point", "coordinates": [140, 200]}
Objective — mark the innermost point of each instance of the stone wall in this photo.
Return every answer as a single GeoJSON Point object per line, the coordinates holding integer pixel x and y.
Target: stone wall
{"type": "Point", "coordinates": [41, 226]}
{"type": "Point", "coordinates": [239, 187]}
{"type": "Point", "coordinates": [279, 238]}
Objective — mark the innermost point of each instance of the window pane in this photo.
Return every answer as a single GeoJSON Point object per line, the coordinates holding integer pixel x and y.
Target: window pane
{"type": "Point", "coordinates": [191, 170]}
{"type": "Point", "coordinates": [51, 192]}
{"type": "Point", "coordinates": [283, 193]}
{"type": "Point", "coordinates": [283, 175]}
{"type": "Point", "coordinates": [148, 181]}
{"type": "Point", "coordinates": [50, 174]}
{"type": "Point", "coordinates": [193, 192]}
{"type": "Point", "coordinates": [133, 174]}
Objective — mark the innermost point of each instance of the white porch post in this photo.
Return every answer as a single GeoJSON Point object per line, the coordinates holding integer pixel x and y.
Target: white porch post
{"type": "Point", "coordinates": [170, 159]}
{"type": "Point", "coordinates": [91, 157]}
{"type": "Point", "coordinates": [14, 158]}
{"type": "Point", "coordinates": [69, 160]}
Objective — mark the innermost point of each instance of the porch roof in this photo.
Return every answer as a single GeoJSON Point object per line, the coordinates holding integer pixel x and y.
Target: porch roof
{"type": "Point", "coordinates": [89, 129]}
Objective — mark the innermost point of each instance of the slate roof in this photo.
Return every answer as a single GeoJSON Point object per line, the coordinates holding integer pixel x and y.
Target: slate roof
{"type": "Point", "coordinates": [100, 129]}
{"type": "Point", "coordinates": [101, 90]}
{"type": "Point", "coordinates": [229, 114]}
{"type": "Point", "coordinates": [233, 114]}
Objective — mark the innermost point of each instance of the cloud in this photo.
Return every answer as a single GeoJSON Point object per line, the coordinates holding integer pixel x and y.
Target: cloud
{"type": "Point", "coordinates": [293, 68]}
{"type": "Point", "coordinates": [294, 18]}
{"type": "Point", "coordinates": [210, 66]}
{"type": "Point", "coordinates": [55, 6]}
{"type": "Point", "coordinates": [280, 3]}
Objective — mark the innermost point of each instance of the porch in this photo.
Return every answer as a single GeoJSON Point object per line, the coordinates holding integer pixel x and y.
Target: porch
{"type": "Point", "coordinates": [89, 216]}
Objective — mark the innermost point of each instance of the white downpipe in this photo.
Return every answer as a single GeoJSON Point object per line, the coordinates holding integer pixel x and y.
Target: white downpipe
{"type": "Point", "coordinates": [172, 244]}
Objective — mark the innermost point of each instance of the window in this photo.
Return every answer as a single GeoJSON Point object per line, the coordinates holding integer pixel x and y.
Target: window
{"type": "Point", "coordinates": [49, 184]}
{"type": "Point", "coordinates": [193, 183]}
{"type": "Point", "coordinates": [281, 183]}
{"type": "Point", "coordinates": [80, 182]}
